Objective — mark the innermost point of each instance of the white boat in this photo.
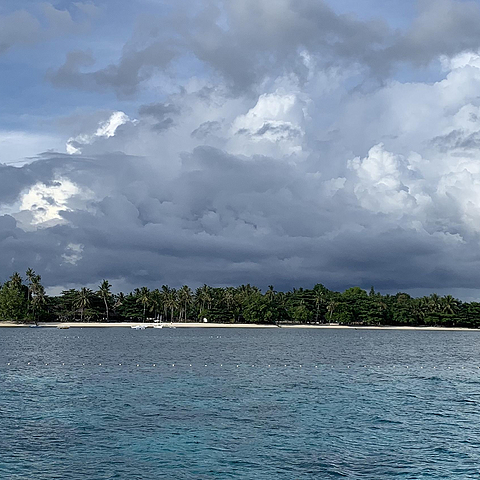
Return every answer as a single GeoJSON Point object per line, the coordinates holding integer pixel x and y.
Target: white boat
{"type": "Point", "coordinates": [158, 326]}
{"type": "Point", "coordinates": [138, 327]}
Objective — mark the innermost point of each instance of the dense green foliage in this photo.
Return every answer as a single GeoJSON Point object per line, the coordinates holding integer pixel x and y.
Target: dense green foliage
{"type": "Point", "coordinates": [246, 303]}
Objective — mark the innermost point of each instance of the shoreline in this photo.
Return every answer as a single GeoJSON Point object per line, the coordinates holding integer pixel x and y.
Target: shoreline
{"type": "Point", "coordinates": [230, 325]}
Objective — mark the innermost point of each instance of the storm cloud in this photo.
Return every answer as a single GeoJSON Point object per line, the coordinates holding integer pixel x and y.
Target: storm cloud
{"type": "Point", "coordinates": [25, 27]}
{"type": "Point", "coordinates": [252, 41]}
{"type": "Point", "coordinates": [284, 143]}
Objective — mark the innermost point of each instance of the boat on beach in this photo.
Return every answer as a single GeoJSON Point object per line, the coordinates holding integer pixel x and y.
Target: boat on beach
{"type": "Point", "coordinates": [138, 327]}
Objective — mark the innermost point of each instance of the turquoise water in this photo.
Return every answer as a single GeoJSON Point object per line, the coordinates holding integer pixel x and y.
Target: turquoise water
{"type": "Point", "coordinates": [254, 404]}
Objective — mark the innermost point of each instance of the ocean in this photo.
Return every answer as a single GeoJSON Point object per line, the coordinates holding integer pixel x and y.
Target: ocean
{"type": "Point", "coordinates": [212, 403]}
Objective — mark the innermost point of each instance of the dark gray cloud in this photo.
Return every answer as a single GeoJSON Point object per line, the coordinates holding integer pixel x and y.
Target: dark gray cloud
{"type": "Point", "coordinates": [261, 39]}
{"type": "Point", "coordinates": [18, 28]}
{"type": "Point", "coordinates": [266, 39]}
{"type": "Point", "coordinates": [266, 165]}
{"type": "Point", "coordinates": [206, 129]}
{"type": "Point", "coordinates": [12, 181]}
{"type": "Point", "coordinates": [443, 27]}
{"type": "Point", "coordinates": [135, 66]}
{"type": "Point", "coordinates": [29, 26]}
{"type": "Point", "coordinates": [458, 140]}
{"type": "Point", "coordinates": [287, 130]}
{"type": "Point", "coordinates": [225, 219]}
{"type": "Point", "coordinates": [162, 113]}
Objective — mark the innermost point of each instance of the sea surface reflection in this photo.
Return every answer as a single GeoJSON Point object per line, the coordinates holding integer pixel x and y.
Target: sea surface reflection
{"type": "Point", "coordinates": [239, 403]}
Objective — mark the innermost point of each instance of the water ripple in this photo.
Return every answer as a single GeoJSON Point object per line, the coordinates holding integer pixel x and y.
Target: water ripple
{"type": "Point", "coordinates": [273, 404]}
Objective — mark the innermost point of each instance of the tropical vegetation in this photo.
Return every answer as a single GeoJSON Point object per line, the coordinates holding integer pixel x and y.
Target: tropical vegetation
{"type": "Point", "coordinates": [26, 300]}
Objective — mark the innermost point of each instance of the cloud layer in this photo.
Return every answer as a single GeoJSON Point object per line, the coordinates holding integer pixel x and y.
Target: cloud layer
{"type": "Point", "coordinates": [272, 143]}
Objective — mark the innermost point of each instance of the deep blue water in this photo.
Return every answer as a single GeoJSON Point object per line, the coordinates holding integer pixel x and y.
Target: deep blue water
{"type": "Point", "coordinates": [254, 404]}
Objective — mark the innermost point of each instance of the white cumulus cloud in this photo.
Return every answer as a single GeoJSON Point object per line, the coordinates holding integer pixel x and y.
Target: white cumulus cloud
{"type": "Point", "coordinates": [106, 129]}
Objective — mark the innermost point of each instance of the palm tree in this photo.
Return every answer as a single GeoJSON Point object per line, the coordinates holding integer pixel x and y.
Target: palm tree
{"type": "Point", "coordinates": [203, 295]}
{"type": "Point", "coordinates": [270, 293]}
{"type": "Point", "coordinates": [83, 300]}
{"type": "Point", "coordinates": [144, 299]}
{"type": "Point", "coordinates": [38, 297]}
{"type": "Point", "coordinates": [32, 285]}
{"type": "Point", "coordinates": [332, 305]}
{"type": "Point", "coordinates": [228, 297]}
{"type": "Point", "coordinates": [119, 299]}
{"type": "Point", "coordinates": [435, 302]}
{"type": "Point", "coordinates": [449, 304]}
{"type": "Point", "coordinates": [244, 292]}
{"type": "Point", "coordinates": [319, 300]}
{"type": "Point", "coordinates": [381, 309]}
{"type": "Point", "coordinates": [281, 299]}
{"type": "Point", "coordinates": [419, 310]}
{"type": "Point", "coordinates": [185, 298]}
{"type": "Point", "coordinates": [155, 302]}
{"type": "Point", "coordinates": [165, 293]}
{"type": "Point", "coordinates": [16, 281]}
{"type": "Point", "coordinates": [171, 302]}
{"type": "Point", "coordinates": [104, 293]}
{"type": "Point", "coordinates": [31, 276]}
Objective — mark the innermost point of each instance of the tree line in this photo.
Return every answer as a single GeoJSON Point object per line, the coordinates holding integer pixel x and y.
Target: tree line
{"type": "Point", "coordinates": [26, 300]}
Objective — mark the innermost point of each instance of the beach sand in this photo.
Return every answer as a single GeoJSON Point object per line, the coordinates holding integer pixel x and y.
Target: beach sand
{"type": "Point", "coordinates": [229, 325]}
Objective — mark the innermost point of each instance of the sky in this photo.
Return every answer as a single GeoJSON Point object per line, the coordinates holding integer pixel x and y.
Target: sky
{"type": "Point", "coordinates": [271, 142]}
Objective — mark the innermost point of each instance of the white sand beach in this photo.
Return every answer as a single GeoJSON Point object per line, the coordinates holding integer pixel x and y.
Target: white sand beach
{"type": "Point", "coordinates": [230, 325]}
